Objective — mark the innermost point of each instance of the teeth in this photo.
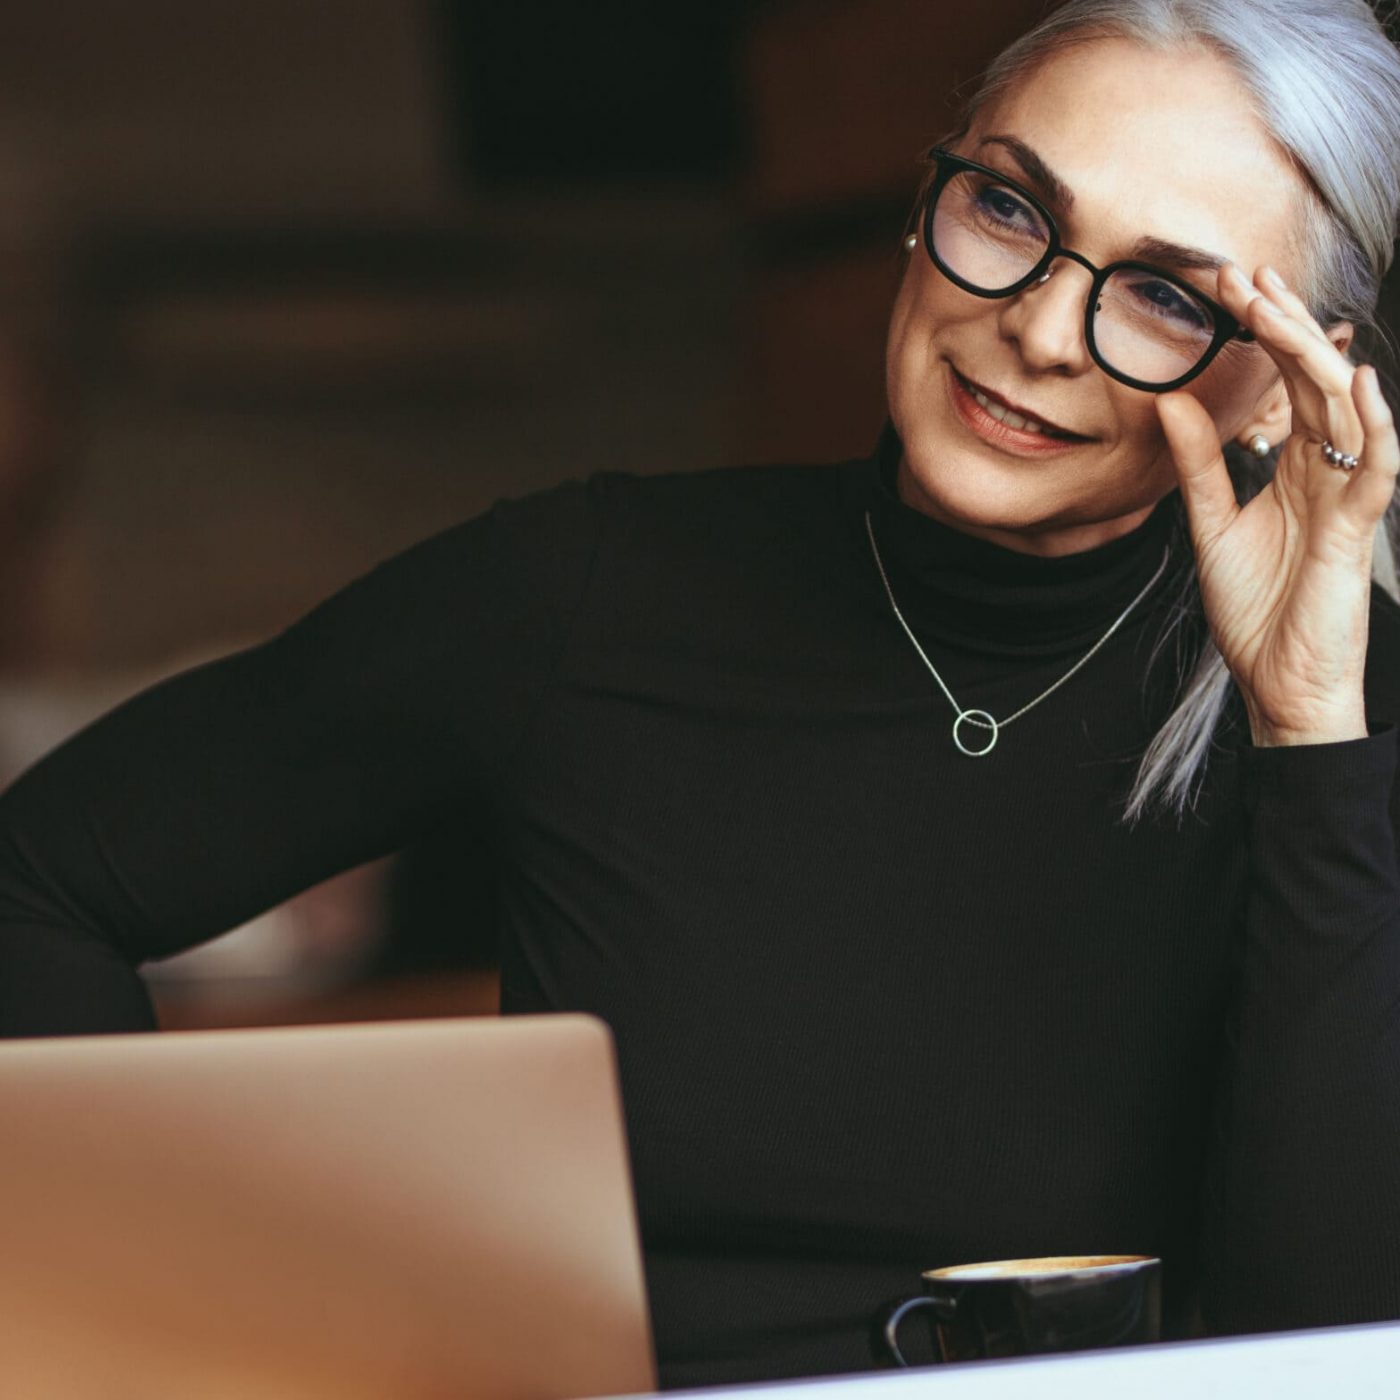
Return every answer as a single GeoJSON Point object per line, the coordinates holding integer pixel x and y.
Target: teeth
{"type": "Point", "coordinates": [1012, 420]}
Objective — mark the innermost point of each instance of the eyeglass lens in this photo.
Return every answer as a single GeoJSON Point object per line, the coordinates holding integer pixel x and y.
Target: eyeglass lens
{"type": "Point", "coordinates": [1146, 326]}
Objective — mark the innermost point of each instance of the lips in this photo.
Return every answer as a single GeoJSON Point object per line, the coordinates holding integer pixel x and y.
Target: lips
{"type": "Point", "coordinates": [1014, 415]}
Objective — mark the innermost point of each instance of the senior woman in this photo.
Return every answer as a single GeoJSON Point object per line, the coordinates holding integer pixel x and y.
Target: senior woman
{"type": "Point", "coordinates": [980, 850]}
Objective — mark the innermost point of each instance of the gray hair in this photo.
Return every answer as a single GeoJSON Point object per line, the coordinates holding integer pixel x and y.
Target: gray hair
{"type": "Point", "coordinates": [1325, 81]}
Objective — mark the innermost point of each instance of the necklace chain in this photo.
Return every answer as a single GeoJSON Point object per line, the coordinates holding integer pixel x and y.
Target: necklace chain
{"type": "Point", "coordinates": [980, 719]}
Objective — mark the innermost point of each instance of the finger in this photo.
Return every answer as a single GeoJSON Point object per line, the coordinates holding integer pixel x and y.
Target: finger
{"type": "Point", "coordinates": [1302, 357]}
{"type": "Point", "coordinates": [1306, 358]}
{"type": "Point", "coordinates": [1318, 378]}
{"type": "Point", "coordinates": [1237, 293]}
{"type": "Point", "coordinates": [1271, 284]}
{"type": "Point", "coordinates": [1372, 484]}
{"type": "Point", "coordinates": [1200, 466]}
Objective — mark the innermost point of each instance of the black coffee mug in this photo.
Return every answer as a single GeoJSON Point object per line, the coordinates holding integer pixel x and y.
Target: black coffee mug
{"type": "Point", "coordinates": [1020, 1307]}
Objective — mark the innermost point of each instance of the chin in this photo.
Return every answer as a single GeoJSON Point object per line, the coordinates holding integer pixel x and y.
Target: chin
{"type": "Point", "coordinates": [965, 486]}
{"type": "Point", "coordinates": [1013, 507]}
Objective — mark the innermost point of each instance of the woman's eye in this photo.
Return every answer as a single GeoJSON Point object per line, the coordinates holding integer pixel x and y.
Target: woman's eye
{"type": "Point", "coordinates": [1167, 300]}
{"type": "Point", "coordinates": [1006, 208]}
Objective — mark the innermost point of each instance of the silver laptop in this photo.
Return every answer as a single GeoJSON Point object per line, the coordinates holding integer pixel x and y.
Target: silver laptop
{"type": "Point", "coordinates": [416, 1209]}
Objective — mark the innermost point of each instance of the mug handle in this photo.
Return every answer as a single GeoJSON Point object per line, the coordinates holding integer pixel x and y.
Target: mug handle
{"type": "Point", "coordinates": [884, 1335]}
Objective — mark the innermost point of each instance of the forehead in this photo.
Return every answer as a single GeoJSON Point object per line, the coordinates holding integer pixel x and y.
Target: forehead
{"type": "Point", "coordinates": [1150, 141]}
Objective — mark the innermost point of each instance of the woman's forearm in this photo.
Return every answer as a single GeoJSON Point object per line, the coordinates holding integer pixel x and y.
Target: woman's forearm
{"type": "Point", "coordinates": [1303, 1194]}
{"type": "Point", "coordinates": [387, 712]}
{"type": "Point", "coordinates": [56, 982]}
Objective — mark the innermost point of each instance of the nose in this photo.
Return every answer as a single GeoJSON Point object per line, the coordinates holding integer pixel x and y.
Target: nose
{"type": "Point", "coordinates": [1045, 321]}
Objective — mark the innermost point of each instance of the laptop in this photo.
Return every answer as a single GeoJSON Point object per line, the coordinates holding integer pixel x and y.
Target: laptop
{"type": "Point", "coordinates": [425, 1210]}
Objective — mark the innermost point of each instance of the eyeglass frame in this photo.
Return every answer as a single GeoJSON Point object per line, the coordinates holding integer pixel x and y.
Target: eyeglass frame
{"type": "Point", "coordinates": [1227, 327]}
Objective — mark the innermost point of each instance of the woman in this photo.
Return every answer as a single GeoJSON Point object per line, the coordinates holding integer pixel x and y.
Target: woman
{"type": "Point", "coordinates": [1126, 981]}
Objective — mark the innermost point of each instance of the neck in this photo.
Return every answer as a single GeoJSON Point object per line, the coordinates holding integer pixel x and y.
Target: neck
{"type": "Point", "coordinates": [981, 591]}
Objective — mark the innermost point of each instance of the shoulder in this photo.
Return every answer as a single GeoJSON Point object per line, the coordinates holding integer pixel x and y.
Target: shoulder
{"type": "Point", "coordinates": [734, 497]}
{"type": "Point", "coordinates": [718, 507]}
{"type": "Point", "coordinates": [759, 518]}
{"type": "Point", "coordinates": [633, 531]}
{"type": "Point", "coordinates": [536, 554]}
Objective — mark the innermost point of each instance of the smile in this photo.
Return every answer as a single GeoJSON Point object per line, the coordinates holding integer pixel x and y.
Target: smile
{"type": "Point", "coordinates": [1005, 427]}
{"type": "Point", "coordinates": [1012, 420]}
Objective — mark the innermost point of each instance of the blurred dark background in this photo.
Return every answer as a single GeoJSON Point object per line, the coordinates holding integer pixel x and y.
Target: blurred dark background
{"type": "Point", "coordinates": [286, 285]}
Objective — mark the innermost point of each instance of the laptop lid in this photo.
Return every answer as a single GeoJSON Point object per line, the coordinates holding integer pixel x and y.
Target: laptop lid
{"type": "Point", "coordinates": [412, 1209]}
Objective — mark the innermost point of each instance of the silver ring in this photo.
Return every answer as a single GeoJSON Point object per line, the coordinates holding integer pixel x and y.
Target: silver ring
{"type": "Point", "coordinates": [1344, 460]}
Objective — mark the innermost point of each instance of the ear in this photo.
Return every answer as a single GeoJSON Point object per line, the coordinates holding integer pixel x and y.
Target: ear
{"type": "Point", "coordinates": [1272, 416]}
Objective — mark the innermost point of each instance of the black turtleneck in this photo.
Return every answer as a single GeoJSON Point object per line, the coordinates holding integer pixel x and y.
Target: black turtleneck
{"type": "Point", "coordinates": [880, 1007]}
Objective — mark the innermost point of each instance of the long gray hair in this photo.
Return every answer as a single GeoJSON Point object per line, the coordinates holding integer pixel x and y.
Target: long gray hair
{"type": "Point", "coordinates": [1325, 81]}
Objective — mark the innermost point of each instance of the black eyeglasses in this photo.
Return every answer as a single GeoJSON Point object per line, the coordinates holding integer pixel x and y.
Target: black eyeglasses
{"type": "Point", "coordinates": [991, 237]}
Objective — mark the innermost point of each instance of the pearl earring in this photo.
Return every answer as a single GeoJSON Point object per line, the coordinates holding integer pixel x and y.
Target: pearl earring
{"type": "Point", "coordinates": [1259, 445]}
{"type": "Point", "coordinates": [911, 242]}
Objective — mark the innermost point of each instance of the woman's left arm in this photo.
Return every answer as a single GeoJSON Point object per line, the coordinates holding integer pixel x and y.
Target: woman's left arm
{"type": "Point", "coordinates": [1302, 1209]}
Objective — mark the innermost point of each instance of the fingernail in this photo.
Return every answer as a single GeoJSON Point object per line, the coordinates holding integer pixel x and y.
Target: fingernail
{"type": "Point", "coordinates": [1273, 279]}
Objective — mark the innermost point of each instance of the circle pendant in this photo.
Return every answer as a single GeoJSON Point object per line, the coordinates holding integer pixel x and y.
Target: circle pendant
{"type": "Point", "coordinates": [981, 720]}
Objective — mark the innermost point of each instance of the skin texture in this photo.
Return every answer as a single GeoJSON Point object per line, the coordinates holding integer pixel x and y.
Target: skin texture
{"type": "Point", "coordinates": [1285, 582]}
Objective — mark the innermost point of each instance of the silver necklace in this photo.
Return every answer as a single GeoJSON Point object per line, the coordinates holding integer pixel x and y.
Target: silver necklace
{"type": "Point", "coordinates": [980, 719]}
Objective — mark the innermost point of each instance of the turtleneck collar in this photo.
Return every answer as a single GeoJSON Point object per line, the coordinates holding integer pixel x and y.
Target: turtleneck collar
{"type": "Point", "coordinates": [970, 592]}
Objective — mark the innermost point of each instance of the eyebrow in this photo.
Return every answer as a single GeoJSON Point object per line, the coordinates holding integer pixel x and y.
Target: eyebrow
{"type": "Point", "coordinates": [1177, 255]}
{"type": "Point", "coordinates": [1060, 197]}
{"type": "Point", "coordinates": [1056, 192]}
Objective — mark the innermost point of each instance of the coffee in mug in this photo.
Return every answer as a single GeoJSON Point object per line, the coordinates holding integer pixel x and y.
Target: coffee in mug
{"type": "Point", "coordinates": [1020, 1307]}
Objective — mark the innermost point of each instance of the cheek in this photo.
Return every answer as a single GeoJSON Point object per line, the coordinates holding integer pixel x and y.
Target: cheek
{"type": "Point", "coordinates": [926, 308]}
{"type": "Point", "coordinates": [1141, 459]}
{"type": "Point", "coordinates": [1232, 394]}
{"type": "Point", "coordinates": [1137, 420]}
{"type": "Point", "coordinates": [899, 321]}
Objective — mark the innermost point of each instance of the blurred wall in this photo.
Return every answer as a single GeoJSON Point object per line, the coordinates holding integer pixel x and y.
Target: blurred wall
{"type": "Point", "coordinates": [300, 336]}
{"type": "Point", "coordinates": [225, 110]}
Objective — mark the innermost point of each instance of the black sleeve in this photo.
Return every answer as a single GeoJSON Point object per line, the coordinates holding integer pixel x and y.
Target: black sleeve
{"type": "Point", "coordinates": [392, 708]}
{"type": "Point", "coordinates": [1302, 1207]}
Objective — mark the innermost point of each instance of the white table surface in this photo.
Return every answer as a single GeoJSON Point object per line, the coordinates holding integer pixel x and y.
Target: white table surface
{"type": "Point", "coordinates": [1339, 1363]}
